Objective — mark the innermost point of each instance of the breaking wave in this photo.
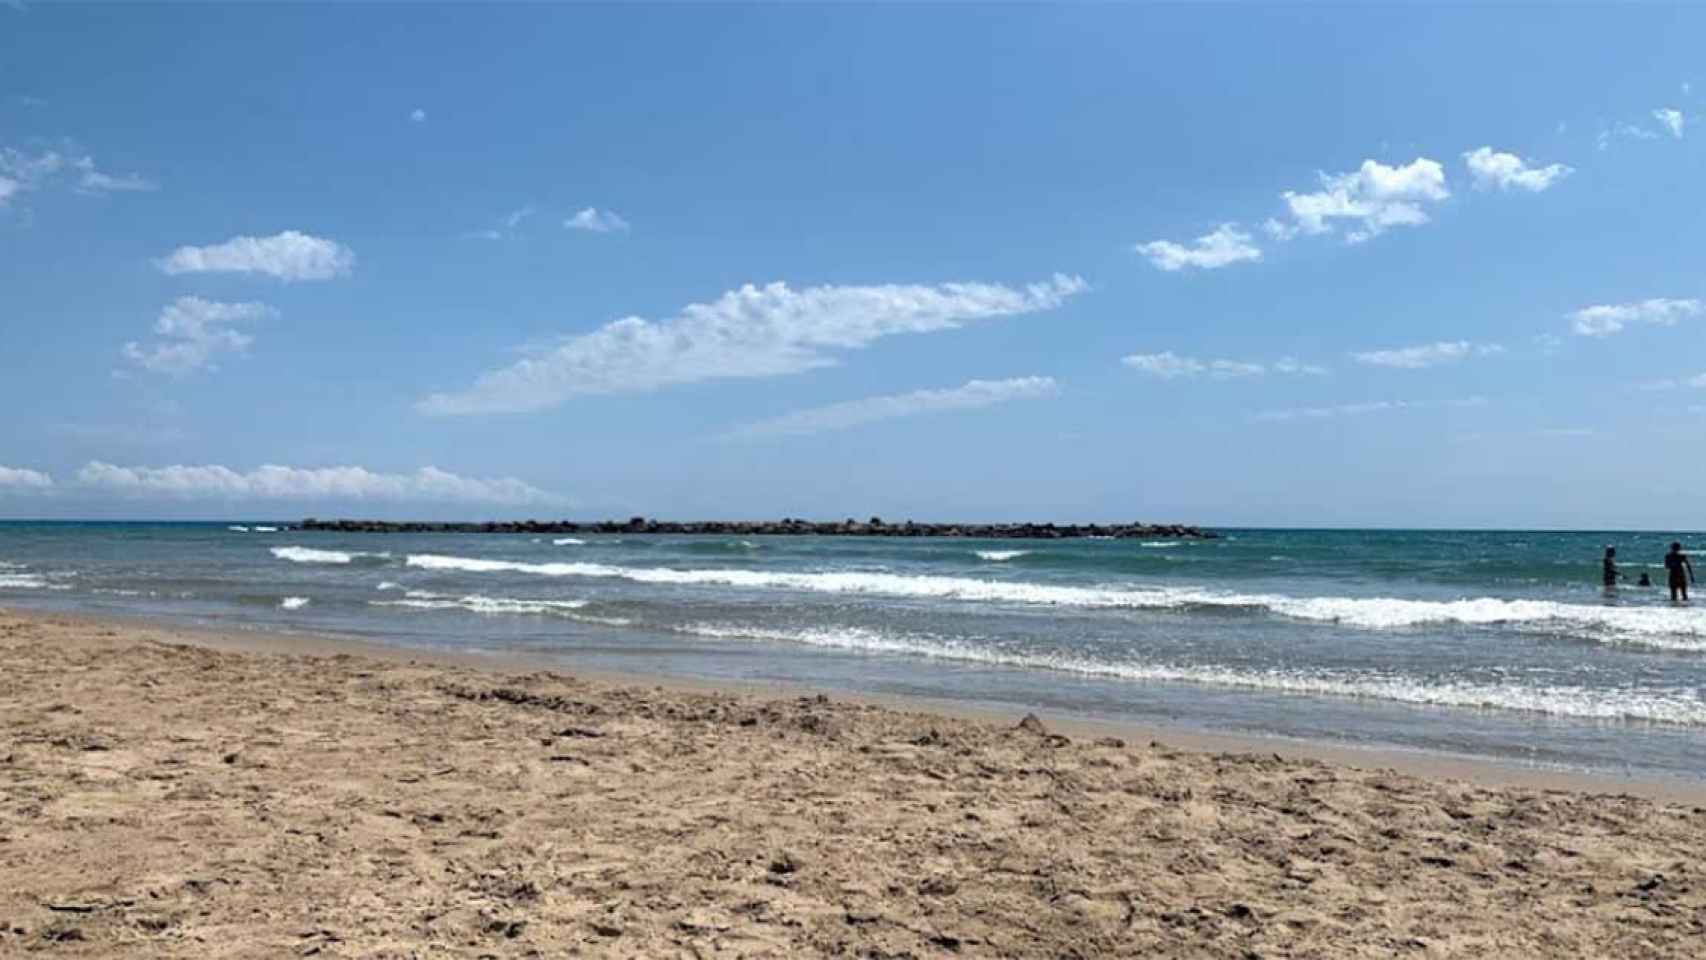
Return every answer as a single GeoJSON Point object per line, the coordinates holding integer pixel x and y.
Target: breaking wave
{"type": "Point", "coordinates": [1679, 706]}
{"type": "Point", "coordinates": [1000, 556]}
{"type": "Point", "coordinates": [311, 555]}
{"type": "Point", "coordinates": [1671, 628]}
{"type": "Point", "coordinates": [293, 603]}
{"type": "Point", "coordinates": [478, 603]}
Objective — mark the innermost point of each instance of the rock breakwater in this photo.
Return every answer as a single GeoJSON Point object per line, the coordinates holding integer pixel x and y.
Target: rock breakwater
{"type": "Point", "coordinates": [788, 526]}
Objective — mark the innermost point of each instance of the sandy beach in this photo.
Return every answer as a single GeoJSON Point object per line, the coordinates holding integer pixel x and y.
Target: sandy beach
{"type": "Point", "coordinates": [160, 797]}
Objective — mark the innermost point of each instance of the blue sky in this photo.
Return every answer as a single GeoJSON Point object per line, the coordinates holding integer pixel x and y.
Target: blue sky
{"type": "Point", "coordinates": [1232, 265]}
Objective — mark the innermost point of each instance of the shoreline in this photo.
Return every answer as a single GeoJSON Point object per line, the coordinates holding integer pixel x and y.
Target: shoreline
{"type": "Point", "coordinates": [1432, 765]}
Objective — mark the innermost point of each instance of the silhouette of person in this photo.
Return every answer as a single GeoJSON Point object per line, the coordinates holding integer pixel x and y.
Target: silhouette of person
{"type": "Point", "coordinates": [1645, 580]}
{"type": "Point", "coordinates": [1610, 568]}
{"type": "Point", "coordinates": [1676, 562]}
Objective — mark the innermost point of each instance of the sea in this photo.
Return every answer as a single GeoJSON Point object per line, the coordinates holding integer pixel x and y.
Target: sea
{"type": "Point", "coordinates": [1488, 644]}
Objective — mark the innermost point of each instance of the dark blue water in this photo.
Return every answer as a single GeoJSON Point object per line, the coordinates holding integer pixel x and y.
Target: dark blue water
{"type": "Point", "coordinates": [1495, 644]}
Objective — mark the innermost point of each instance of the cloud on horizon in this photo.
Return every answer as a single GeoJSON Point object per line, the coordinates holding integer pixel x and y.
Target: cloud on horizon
{"type": "Point", "coordinates": [19, 479]}
{"type": "Point", "coordinates": [273, 482]}
{"type": "Point", "coordinates": [746, 333]}
{"type": "Point", "coordinates": [288, 256]}
{"type": "Point", "coordinates": [972, 395]}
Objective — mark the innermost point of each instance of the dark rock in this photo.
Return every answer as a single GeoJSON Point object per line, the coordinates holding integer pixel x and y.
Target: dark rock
{"type": "Point", "coordinates": [788, 526]}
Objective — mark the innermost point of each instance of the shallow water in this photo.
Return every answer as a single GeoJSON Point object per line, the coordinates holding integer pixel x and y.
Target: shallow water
{"type": "Point", "coordinates": [1496, 644]}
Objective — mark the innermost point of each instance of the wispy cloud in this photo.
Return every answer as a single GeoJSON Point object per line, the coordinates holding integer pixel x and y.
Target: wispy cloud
{"type": "Point", "coordinates": [1358, 409]}
{"type": "Point", "coordinates": [1222, 247]}
{"type": "Point", "coordinates": [1671, 119]}
{"type": "Point", "coordinates": [1170, 366]}
{"type": "Point", "coordinates": [1427, 354]}
{"type": "Point", "coordinates": [290, 255]}
{"type": "Point", "coordinates": [1506, 171]}
{"type": "Point", "coordinates": [192, 331]}
{"type": "Point", "coordinates": [22, 172]}
{"type": "Point", "coordinates": [273, 482]}
{"type": "Point", "coordinates": [750, 332]}
{"type": "Point", "coordinates": [594, 220]}
{"type": "Point", "coordinates": [19, 479]}
{"type": "Point", "coordinates": [1674, 383]}
{"type": "Point", "coordinates": [417, 115]}
{"type": "Point", "coordinates": [506, 224]}
{"type": "Point", "coordinates": [1606, 319]}
{"type": "Point", "coordinates": [1368, 200]}
{"type": "Point", "coordinates": [972, 395]}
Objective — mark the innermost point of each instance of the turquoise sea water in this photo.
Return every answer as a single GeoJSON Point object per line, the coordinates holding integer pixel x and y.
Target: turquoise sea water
{"type": "Point", "coordinates": [1495, 644]}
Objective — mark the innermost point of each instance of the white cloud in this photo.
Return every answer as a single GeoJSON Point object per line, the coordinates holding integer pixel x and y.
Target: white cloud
{"type": "Point", "coordinates": [21, 172]}
{"type": "Point", "coordinates": [972, 395]}
{"type": "Point", "coordinates": [417, 115]}
{"type": "Point", "coordinates": [1357, 409]}
{"type": "Point", "coordinates": [597, 221]}
{"type": "Point", "coordinates": [1670, 383]}
{"type": "Point", "coordinates": [507, 223]}
{"type": "Point", "coordinates": [1291, 365]}
{"type": "Point", "coordinates": [1427, 354]}
{"type": "Point", "coordinates": [1606, 319]}
{"type": "Point", "coordinates": [1671, 119]}
{"type": "Point", "coordinates": [1369, 199]}
{"type": "Point", "coordinates": [94, 181]}
{"type": "Point", "coordinates": [1169, 365]}
{"type": "Point", "coordinates": [1224, 246]}
{"type": "Point", "coordinates": [750, 332]}
{"type": "Point", "coordinates": [1492, 168]}
{"type": "Point", "coordinates": [192, 331]}
{"type": "Point", "coordinates": [290, 255]}
{"type": "Point", "coordinates": [272, 482]}
{"type": "Point", "coordinates": [15, 479]}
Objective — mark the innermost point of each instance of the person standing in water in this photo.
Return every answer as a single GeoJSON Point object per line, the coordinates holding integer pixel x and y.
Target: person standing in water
{"type": "Point", "coordinates": [1676, 562]}
{"type": "Point", "coordinates": [1609, 566]}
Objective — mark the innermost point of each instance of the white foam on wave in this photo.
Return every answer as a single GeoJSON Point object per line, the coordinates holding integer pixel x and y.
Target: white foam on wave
{"type": "Point", "coordinates": [1000, 556]}
{"type": "Point", "coordinates": [478, 603]}
{"type": "Point", "coordinates": [293, 603]}
{"type": "Point", "coordinates": [1673, 628]}
{"type": "Point", "coordinates": [1681, 706]}
{"type": "Point", "coordinates": [388, 585]}
{"type": "Point", "coordinates": [311, 555]}
{"type": "Point", "coordinates": [26, 581]}
{"type": "Point", "coordinates": [1159, 544]}
{"type": "Point", "coordinates": [568, 541]}
{"type": "Point", "coordinates": [265, 529]}
{"type": "Point", "coordinates": [237, 528]}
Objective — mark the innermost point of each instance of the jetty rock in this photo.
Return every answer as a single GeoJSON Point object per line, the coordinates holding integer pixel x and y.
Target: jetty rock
{"type": "Point", "coordinates": [785, 527]}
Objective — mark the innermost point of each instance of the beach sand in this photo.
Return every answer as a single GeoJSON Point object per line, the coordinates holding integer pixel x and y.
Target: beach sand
{"type": "Point", "coordinates": [161, 797]}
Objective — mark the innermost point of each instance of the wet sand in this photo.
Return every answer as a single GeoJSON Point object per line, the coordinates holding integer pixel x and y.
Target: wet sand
{"type": "Point", "coordinates": [183, 794]}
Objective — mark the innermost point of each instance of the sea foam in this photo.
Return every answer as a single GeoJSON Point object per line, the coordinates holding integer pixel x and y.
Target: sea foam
{"type": "Point", "coordinates": [293, 603]}
{"type": "Point", "coordinates": [1678, 706]}
{"type": "Point", "coordinates": [1677, 628]}
{"type": "Point", "coordinates": [1000, 556]}
{"type": "Point", "coordinates": [311, 555]}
